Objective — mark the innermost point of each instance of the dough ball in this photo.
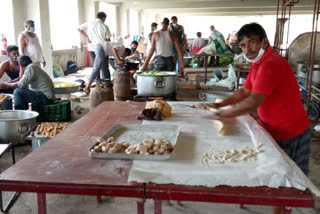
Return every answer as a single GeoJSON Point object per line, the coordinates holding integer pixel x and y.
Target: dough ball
{"type": "Point", "coordinates": [100, 140]}
{"type": "Point", "coordinates": [104, 149]}
{"type": "Point", "coordinates": [124, 144]}
{"type": "Point", "coordinates": [110, 139]}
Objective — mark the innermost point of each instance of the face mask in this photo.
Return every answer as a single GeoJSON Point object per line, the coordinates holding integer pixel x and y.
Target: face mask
{"type": "Point", "coordinates": [260, 54]}
{"type": "Point", "coordinates": [174, 24]}
{"type": "Point", "coordinates": [14, 59]}
{"type": "Point", "coordinates": [32, 29]}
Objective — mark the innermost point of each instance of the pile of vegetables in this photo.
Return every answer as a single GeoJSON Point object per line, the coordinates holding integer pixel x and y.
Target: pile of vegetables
{"type": "Point", "coordinates": [64, 84]}
{"type": "Point", "coordinates": [154, 73]}
{"type": "Point", "coordinates": [225, 60]}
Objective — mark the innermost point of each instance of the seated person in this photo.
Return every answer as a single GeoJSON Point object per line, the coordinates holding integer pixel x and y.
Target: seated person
{"type": "Point", "coordinates": [35, 85]}
{"type": "Point", "coordinates": [114, 49]}
{"type": "Point", "coordinates": [10, 67]}
{"type": "Point", "coordinates": [135, 55]}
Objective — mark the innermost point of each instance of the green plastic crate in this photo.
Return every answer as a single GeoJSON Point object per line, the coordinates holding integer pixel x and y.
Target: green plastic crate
{"type": "Point", "coordinates": [60, 111]}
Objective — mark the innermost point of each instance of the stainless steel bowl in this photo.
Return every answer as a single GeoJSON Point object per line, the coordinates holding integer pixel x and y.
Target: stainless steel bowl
{"type": "Point", "coordinates": [14, 125]}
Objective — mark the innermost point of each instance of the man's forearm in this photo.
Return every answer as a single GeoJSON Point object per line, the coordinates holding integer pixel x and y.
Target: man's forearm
{"type": "Point", "coordinates": [6, 85]}
{"type": "Point", "coordinates": [237, 97]}
{"type": "Point", "coordinates": [245, 106]}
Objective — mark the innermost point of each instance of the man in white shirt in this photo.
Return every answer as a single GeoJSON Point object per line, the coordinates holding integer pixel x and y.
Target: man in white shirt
{"type": "Point", "coordinates": [117, 50]}
{"type": "Point", "coordinates": [96, 32]}
{"type": "Point", "coordinates": [29, 43]}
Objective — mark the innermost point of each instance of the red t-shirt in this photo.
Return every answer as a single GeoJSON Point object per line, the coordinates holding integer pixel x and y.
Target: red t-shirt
{"type": "Point", "coordinates": [282, 111]}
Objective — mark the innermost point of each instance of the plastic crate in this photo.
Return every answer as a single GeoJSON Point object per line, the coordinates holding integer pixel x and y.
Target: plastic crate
{"type": "Point", "coordinates": [60, 111]}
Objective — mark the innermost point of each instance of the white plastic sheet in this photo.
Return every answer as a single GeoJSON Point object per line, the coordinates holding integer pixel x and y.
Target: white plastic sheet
{"type": "Point", "coordinates": [273, 168]}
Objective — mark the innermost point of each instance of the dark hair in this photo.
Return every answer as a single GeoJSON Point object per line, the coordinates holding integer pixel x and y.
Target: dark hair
{"type": "Point", "coordinates": [134, 43]}
{"type": "Point", "coordinates": [128, 51]}
{"type": "Point", "coordinates": [199, 34]}
{"type": "Point", "coordinates": [28, 22]}
{"type": "Point", "coordinates": [154, 24]}
{"type": "Point", "coordinates": [150, 34]}
{"type": "Point", "coordinates": [174, 17]}
{"type": "Point", "coordinates": [101, 15]}
{"type": "Point", "coordinates": [165, 21]}
{"type": "Point", "coordinates": [251, 29]}
{"type": "Point", "coordinates": [11, 48]}
{"type": "Point", "coordinates": [24, 61]}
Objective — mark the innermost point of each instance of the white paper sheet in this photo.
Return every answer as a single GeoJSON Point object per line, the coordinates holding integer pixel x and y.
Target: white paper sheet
{"type": "Point", "coordinates": [273, 168]}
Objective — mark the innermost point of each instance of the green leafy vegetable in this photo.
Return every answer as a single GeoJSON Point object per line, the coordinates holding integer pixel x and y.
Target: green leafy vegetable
{"type": "Point", "coordinates": [154, 73]}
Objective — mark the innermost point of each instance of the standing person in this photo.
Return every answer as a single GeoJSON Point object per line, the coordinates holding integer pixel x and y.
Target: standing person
{"type": "Point", "coordinates": [178, 30]}
{"type": "Point", "coordinates": [29, 43]}
{"type": "Point", "coordinates": [197, 44]}
{"type": "Point", "coordinates": [96, 32]}
{"type": "Point", "coordinates": [154, 27]}
{"type": "Point", "coordinates": [272, 89]}
{"type": "Point", "coordinates": [162, 42]}
{"type": "Point", "coordinates": [34, 87]}
{"type": "Point", "coordinates": [216, 38]}
{"type": "Point", "coordinates": [117, 50]}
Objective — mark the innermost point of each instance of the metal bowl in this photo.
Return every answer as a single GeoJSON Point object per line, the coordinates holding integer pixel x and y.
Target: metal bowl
{"type": "Point", "coordinates": [67, 90]}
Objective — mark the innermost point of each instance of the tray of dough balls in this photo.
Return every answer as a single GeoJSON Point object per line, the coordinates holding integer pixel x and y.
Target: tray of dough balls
{"type": "Point", "coordinates": [137, 142]}
{"type": "Point", "coordinates": [46, 130]}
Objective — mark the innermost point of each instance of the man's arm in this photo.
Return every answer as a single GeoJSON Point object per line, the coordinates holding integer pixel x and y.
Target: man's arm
{"type": "Point", "coordinates": [7, 85]}
{"type": "Point", "coordinates": [153, 47]}
{"type": "Point", "coordinates": [2, 68]}
{"type": "Point", "coordinates": [183, 35]}
{"type": "Point", "coordinates": [247, 105]}
{"type": "Point", "coordinates": [22, 43]}
{"type": "Point", "coordinates": [116, 55]}
{"type": "Point", "coordinates": [108, 34]}
{"type": "Point", "coordinates": [83, 33]}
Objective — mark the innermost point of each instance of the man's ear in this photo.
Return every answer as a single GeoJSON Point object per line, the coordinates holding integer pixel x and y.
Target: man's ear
{"type": "Point", "coordinates": [265, 43]}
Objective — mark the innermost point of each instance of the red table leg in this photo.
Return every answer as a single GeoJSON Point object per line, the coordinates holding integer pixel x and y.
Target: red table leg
{"type": "Point", "coordinates": [140, 206]}
{"type": "Point", "coordinates": [42, 206]}
{"type": "Point", "coordinates": [157, 207]}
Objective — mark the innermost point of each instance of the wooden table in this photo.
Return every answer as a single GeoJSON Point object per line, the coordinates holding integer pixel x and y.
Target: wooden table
{"type": "Point", "coordinates": [62, 166]}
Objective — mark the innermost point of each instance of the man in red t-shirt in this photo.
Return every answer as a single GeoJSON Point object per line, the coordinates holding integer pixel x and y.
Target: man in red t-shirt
{"type": "Point", "coordinates": [272, 89]}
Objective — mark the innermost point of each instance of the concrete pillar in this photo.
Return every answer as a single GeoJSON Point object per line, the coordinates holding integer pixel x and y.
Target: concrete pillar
{"type": "Point", "coordinates": [118, 21]}
{"type": "Point", "coordinates": [45, 34]}
{"type": "Point", "coordinates": [140, 30]}
{"type": "Point", "coordinates": [123, 18]}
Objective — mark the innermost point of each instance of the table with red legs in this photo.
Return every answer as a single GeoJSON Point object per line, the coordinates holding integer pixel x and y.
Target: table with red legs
{"type": "Point", "coordinates": [62, 164]}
